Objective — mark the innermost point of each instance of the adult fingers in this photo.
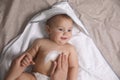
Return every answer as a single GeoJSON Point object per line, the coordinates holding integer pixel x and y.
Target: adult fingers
{"type": "Point", "coordinates": [59, 61]}
{"type": "Point", "coordinates": [64, 62]}
{"type": "Point", "coordinates": [29, 56]}
{"type": "Point", "coordinates": [19, 58]}
{"type": "Point", "coordinates": [32, 62]}
{"type": "Point", "coordinates": [54, 68]}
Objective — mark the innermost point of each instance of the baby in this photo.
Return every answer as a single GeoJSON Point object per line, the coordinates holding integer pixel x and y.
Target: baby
{"type": "Point", "coordinates": [44, 51]}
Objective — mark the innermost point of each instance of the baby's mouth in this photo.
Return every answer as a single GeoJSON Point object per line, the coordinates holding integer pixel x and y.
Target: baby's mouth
{"type": "Point", "coordinates": [64, 38]}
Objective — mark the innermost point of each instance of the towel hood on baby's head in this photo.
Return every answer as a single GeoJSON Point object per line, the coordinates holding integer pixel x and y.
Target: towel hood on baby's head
{"type": "Point", "coordinates": [57, 9]}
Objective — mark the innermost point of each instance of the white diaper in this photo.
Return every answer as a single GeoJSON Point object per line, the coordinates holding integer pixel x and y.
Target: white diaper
{"type": "Point", "coordinates": [40, 76]}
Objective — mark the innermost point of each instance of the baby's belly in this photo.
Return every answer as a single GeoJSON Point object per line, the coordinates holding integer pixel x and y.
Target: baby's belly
{"type": "Point", "coordinates": [44, 64]}
{"type": "Point", "coordinates": [43, 68]}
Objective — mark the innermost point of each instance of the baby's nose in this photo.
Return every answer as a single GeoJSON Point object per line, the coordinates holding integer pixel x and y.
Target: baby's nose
{"type": "Point", "coordinates": [65, 33]}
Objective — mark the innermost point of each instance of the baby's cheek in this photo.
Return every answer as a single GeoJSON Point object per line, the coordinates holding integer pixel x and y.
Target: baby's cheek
{"type": "Point", "coordinates": [70, 35]}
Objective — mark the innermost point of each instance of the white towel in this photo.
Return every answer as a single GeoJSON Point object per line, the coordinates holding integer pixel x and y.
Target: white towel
{"type": "Point", "coordinates": [92, 65]}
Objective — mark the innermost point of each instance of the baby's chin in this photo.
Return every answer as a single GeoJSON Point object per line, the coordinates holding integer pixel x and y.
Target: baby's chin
{"type": "Point", "coordinates": [62, 43]}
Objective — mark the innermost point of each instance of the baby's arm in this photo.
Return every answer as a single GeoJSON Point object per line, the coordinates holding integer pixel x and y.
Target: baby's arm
{"type": "Point", "coordinates": [73, 65]}
{"type": "Point", "coordinates": [30, 53]}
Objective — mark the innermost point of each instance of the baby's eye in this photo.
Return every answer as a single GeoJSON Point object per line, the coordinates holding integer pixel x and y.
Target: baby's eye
{"type": "Point", "coordinates": [69, 30]}
{"type": "Point", "coordinates": [60, 29]}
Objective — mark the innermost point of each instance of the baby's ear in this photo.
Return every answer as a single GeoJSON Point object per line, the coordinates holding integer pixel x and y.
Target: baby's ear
{"type": "Point", "coordinates": [48, 29]}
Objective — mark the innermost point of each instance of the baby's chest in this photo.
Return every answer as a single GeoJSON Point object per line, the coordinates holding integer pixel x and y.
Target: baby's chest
{"type": "Point", "coordinates": [46, 50]}
{"type": "Point", "coordinates": [51, 53]}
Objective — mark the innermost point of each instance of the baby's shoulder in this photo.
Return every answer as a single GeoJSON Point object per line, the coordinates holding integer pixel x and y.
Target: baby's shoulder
{"type": "Point", "coordinates": [70, 46]}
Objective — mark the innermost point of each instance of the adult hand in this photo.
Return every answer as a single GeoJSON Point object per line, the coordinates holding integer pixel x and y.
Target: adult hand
{"type": "Point", "coordinates": [16, 69]}
{"type": "Point", "coordinates": [60, 68]}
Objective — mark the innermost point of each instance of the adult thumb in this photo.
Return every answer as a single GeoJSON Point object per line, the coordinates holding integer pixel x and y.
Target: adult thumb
{"type": "Point", "coordinates": [20, 58]}
{"type": "Point", "coordinates": [32, 62]}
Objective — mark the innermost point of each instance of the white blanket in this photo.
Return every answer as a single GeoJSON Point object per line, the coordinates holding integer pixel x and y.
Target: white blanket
{"type": "Point", "coordinates": [92, 65]}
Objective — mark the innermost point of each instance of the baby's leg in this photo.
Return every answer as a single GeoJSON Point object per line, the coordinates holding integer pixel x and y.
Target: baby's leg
{"type": "Point", "coordinates": [26, 76]}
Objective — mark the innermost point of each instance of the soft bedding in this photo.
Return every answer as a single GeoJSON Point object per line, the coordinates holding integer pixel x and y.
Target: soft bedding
{"type": "Point", "coordinates": [100, 17]}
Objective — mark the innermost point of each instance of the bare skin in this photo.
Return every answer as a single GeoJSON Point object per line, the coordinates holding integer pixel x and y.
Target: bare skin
{"type": "Point", "coordinates": [15, 66]}
{"type": "Point", "coordinates": [60, 68]}
{"type": "Point", "coordinates": [59, 34]}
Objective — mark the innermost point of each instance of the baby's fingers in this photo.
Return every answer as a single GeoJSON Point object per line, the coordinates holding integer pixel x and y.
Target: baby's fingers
{"type": "Point", "coordinates": [27, 59]}
{"type": "Point", "coordinates": [25, 62]}
{"type": "Point", "coordinates": [30, 59]}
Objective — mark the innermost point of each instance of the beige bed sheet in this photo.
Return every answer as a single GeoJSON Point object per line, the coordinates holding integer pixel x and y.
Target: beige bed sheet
{"type": "Point", "coordinates": [101, 18]}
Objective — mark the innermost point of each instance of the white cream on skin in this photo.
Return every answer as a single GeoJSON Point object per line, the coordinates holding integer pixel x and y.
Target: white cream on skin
{"type": "Point", "coordinates": [51, 56]}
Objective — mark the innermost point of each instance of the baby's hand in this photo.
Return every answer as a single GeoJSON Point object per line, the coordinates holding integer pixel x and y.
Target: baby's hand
{"type": "Point", "coordinates": [27, 60]}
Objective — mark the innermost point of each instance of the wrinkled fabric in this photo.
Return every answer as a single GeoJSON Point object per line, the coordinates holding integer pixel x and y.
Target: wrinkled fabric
{"type": "Point", "coordinates": [92, 65]}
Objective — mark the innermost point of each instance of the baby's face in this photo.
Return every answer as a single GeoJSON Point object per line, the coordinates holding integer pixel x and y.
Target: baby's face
{"type": "Point", "coordinates": [61, 31]}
